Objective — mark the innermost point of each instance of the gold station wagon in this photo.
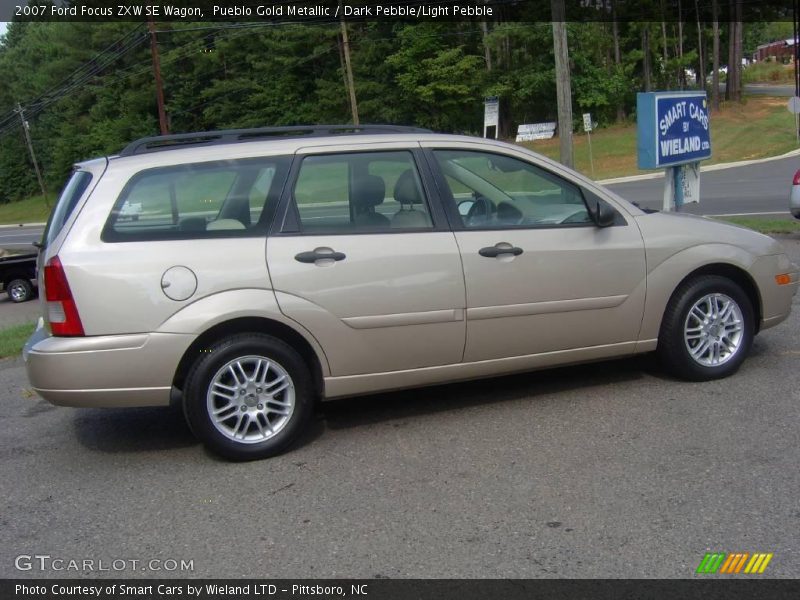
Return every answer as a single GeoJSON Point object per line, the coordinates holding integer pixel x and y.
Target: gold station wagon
{"type": "Point", "coordinates": [246, 273]}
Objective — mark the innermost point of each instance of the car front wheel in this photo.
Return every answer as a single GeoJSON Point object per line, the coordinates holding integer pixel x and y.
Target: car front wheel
{"type": "Point", "coordinates": [248, 396]}
{"type": "Point", "coordinates": [707, 329]}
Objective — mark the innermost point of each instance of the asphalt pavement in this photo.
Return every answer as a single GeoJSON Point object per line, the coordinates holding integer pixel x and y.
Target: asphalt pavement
{"type": "Point", "coordinates": [767, 89]}
{"type": "Point", "coordinates": [756, 188]}
{"type": "Point", "coordinates": [606, 470]}
{"type": "Point", "coordinates": [12, 313]}
{"type": "Point", "coordinates": [20, 237]}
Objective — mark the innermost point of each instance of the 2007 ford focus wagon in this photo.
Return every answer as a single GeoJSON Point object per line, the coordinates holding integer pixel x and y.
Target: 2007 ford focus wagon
{"type": "Point", "coordinates": [247, 273]}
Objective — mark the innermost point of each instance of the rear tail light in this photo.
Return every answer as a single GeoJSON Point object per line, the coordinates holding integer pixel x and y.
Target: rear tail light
{"type": "Point", "coordinates": [61, 310]}
{"type": "Point", "coordinates": [796, 180]}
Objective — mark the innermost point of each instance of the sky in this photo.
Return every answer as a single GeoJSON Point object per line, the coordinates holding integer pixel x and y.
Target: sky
{"type": "Point", "coordinates": [3, 26]}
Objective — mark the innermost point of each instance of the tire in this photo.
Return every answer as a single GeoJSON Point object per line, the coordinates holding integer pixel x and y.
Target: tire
{"type": "Point", "coordinates": [249, 396]}
{"type": "Point", "coordinates": [19, 290]}
{"type": "Point", "coordinates": [707, 330]}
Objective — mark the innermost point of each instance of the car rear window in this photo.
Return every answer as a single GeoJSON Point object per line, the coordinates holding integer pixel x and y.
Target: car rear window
{"type": "Point", "coordinates": [69, 197]}
{"type": "Point", "coordinates": [229, 198]}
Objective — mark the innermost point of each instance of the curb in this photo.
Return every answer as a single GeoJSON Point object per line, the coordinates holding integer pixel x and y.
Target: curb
{"type": "Point", "coordinates": [717, 167]}
{"type": "Point", "coordinates": [11, 225]}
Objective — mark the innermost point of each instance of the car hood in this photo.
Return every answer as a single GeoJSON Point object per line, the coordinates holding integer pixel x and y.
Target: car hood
{"type": "Point", "coordinates": [678, 231]}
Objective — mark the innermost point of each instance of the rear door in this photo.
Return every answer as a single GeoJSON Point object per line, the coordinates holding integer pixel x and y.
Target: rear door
{"type": "Point", "coordinates": [362, 257]}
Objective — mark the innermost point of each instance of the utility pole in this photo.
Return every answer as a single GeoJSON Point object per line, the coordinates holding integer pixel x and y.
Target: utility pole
{"type": "Point", "coordinates": [715, 58]}
{"type": "Point", "coordinates": [26, 129]}
{"type": "Point", "coordinates": [795, 49]}
{"type": "Point", "coordinates": [563, 85]}
{"type": "Point", "coordinates": [162, 115]}
{"type": "Point", "coordinates": [349, 70]}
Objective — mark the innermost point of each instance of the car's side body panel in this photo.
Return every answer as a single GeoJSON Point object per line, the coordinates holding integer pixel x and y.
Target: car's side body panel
{"type": "Point", "coordinates": [130, 277]}
{"type": "Point", "coordinates": [395, 302]}
{"type": "Point", "coordinates": [395, 380]}
{"type": "Point", "coordinates": [678, 245]}
{"type": "Point", "coordinates": [571, 287]}
{"type": "Point", "coordinates": [404, 309]}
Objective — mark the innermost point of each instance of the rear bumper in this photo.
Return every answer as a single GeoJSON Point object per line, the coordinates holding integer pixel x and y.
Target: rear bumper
{"type": "Point", "coordinates": [104, 371]}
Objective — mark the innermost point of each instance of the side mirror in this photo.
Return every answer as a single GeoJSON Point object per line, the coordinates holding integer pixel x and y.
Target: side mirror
{"type": "Point", "coordinates": [602, 214]}
{"type": "Point", "coordinates": [465, 206]}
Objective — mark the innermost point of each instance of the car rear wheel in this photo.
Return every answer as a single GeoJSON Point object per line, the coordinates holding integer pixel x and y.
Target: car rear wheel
{"type": "Point", "coordinates": [707, 329]}
{"type": "Point", "coordinates": [248, 396]}
{"type": "Point", "coordinates": [19, 290]}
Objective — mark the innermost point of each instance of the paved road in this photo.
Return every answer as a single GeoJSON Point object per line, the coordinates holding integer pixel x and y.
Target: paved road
{"type": "Point", "coordinates": [20, 237]}
{"type": "Point", "coordinates": [757, 188]}
{"type": "Point", "coordinates": [608, 470]}
{"type": "Point", "coordinates": [767, 89]}
{"type": "Point", "coordinates": [12, 313]}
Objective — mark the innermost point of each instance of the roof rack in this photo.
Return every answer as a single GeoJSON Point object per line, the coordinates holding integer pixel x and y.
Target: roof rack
{"type": "Point", "coordinates": [235, 136]}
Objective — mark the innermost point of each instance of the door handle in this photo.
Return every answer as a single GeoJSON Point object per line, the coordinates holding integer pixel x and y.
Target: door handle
{"type": "Point", "coordinates": [498, 249]}
{"type": "Point", "coordinates": [313, 256]}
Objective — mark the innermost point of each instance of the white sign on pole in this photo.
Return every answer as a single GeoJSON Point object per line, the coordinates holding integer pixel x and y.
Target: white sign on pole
{"type": "Point", "coordinates": [491, 115]}
{"type": "Point", "coordinates": [687, 184]}
{"type": "Point", "coordinates": [681, 186]}
{"type": "Point", "coordinates": [536, 131]}
{"type": "Point", "coordinates": [587, 127]}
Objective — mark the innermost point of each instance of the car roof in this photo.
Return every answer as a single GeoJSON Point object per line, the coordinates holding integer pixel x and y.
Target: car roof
{"type": "Point", "coordinates": [281, 146]}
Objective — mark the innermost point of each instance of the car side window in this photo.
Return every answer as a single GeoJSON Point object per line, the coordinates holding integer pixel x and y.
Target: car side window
{"type": "Point", "coordinates": [365, 191]}
{"type": "Point", "coordinates": [69, 197]}
{"type": "Point", "coordinates": [498, 191]}
{"type": "Point", "coordinates": [224, 198]}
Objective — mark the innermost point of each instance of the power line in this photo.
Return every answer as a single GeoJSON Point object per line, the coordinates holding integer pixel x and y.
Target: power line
{"type": "Point", "coordinates": [131, 40]}
{"type": "Point", "coordinates": [78, 77]}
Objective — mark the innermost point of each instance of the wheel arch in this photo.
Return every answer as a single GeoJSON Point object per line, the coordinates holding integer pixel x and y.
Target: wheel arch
{"type": "Point", "coordinates": [271, 327]}
{"type": "Point", "coordinates": [12, 275]}
{"type": "Point", "coordinates": [736, 274]}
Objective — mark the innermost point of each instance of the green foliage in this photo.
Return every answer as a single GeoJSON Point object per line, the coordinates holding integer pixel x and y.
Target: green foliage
{"type": "Point", "coordinates": [431, 74]}
{"type": "Point", "coordinates": [768, 72]}
{"type": "Point", "coordinates": [17, 180]}
{"type": "Point", "coordinates": [441, 80]}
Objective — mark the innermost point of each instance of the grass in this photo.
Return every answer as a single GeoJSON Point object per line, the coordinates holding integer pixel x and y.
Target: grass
{"type": "Point", "coordinates": [768, 72]}
{"type": "Point", "coordinates": [30, 210]}
{"type": "Point", "coordinates": [759, 128]}
{"type": "Point", "coordinates": [768, 226]}
{"type": "Point", "coordinates": [13, 338]}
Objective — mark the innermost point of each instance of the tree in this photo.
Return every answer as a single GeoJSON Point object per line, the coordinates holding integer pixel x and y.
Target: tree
{"type": "Point", "coordinates": [439, 79]}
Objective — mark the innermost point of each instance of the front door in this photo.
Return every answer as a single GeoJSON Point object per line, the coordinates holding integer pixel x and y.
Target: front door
{"type": "Point", "coordinates": [365, 261]}
{"type": "Point", "coordinates": [540, 275]}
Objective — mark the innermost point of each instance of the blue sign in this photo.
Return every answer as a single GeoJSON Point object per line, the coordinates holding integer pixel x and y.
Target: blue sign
{"type": "Point", "coordinates": [672, 128]}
